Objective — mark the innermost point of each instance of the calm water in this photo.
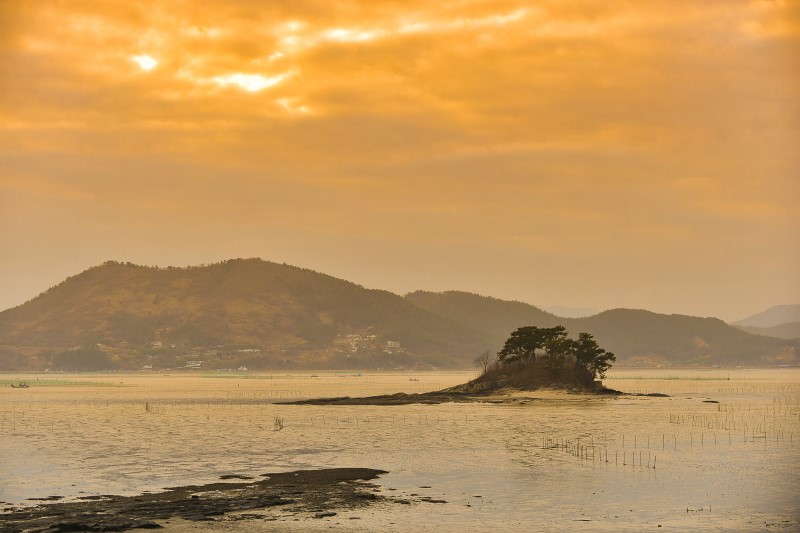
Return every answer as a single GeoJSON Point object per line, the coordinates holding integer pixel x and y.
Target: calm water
{"type": "Point", "coordinates": [557, 462]}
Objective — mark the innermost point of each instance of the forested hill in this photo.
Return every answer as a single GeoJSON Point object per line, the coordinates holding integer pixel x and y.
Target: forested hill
{"type": "Point", "coordinates": [633, 335]}
{"type": "Point", "coordinates": [292, 316]}
{"type": "Point", "coordinates": [258, 314]}
{"type": "Point", "coordinates": [492, 317]}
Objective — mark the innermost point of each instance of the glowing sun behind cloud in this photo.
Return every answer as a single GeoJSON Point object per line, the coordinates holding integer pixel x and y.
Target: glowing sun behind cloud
{"type": "Point", "coordinates": [145, 62]}
{"type": "Point", "coordinates": [249, 82]}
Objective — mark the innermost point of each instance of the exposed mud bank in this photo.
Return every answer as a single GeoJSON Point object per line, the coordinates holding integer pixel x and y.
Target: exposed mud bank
{"type": "Point", "coordinates": [319, 492]}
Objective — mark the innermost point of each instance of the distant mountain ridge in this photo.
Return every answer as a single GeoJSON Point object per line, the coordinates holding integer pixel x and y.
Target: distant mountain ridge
{"type": "Point", "coordinates": [774, 316]}
{"type": "Point", "coordinates": [790, 330]}
{"type": "Point", "coordinates": [632, 334]}
{"type": "Point", "coordinates": [259, 314]}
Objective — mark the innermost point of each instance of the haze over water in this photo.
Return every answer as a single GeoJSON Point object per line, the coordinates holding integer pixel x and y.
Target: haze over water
{"type": "Point", "coordinates": [631, 463]}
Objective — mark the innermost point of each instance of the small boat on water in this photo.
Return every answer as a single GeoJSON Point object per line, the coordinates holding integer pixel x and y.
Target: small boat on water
{"type": "Point", "coordinates": [413, 379]}
{"type": "Point", "coordinates": [20, 385]}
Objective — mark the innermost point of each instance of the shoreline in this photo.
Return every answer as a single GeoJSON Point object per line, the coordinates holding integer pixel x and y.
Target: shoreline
{"type": "Point", "coordinates": [318, 493]}
{"type": "Point", "coordinates": [498, 396]}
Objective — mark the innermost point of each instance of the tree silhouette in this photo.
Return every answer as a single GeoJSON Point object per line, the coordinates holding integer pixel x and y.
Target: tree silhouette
{"type": "Point", "coordinates": [556, 347]}
{"type": "Point", "coordinates": [483, 360]}
{"type": "Point", "coordinates": [591, 356]}
{"type": "Point", "coordinates": [88, 359]}
{"type": "Point", "coordinates": [525, 341]}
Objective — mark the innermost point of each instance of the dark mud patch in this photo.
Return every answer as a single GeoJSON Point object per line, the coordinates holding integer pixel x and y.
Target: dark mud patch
{"type": "Point", "coordinates": [314, 491]}
{"type": "Point", "coordinates": [428, 499]}
{"type": "Point", "coordinates": [235, 476]}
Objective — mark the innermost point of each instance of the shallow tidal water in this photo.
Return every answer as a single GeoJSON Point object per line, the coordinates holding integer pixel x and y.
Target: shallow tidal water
{"type": "Point", "coordinates": [557, 462]}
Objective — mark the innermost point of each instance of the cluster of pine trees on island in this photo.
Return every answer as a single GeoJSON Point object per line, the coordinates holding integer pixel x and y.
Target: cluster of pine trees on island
{"type": "Point", "coordinates": [533, 355]}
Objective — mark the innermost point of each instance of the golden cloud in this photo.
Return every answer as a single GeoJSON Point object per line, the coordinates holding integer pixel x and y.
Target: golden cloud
{"type": "Point", "coordinates": [626, 128]}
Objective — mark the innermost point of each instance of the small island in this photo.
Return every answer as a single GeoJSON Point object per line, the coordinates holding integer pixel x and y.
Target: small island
{"type": "Point", "coordinates": [532, 358]}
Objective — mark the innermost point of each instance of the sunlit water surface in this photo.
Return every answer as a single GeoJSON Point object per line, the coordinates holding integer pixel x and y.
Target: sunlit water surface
{"type": "Point", "coordinates": [558, 462]}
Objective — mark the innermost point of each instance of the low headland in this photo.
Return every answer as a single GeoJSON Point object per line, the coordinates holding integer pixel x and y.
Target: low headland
{"type": "Point", "coordinates": [532, 359]}
{"type": "Point", "coordinates": [508, 383]}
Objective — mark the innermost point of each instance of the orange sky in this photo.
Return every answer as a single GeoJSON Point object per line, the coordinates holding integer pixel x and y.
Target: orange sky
{"type": "Point", "coordinates": [584, 153]}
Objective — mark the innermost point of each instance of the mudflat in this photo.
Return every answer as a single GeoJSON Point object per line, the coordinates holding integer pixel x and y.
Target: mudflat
{"type": "Point", "coordinates": [319, 492]}
{"type": "Point", "coordinates": [717, 449]}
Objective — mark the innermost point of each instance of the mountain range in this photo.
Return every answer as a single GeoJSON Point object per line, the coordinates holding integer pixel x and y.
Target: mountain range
{"type": "Point", "coordinates": [258, 314]}
{"type": "Point", "coordinates": [781, 321]}
{"type": "Point", "coordinates": [774, 316]}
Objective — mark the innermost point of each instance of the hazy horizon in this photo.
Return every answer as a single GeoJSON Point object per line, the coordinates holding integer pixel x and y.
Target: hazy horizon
{"type": "Point", "coordinates": [586, 155]}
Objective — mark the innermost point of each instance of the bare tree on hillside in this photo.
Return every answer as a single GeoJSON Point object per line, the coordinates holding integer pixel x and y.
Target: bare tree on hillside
{"type": "Point", "coordinates": [483, 360]}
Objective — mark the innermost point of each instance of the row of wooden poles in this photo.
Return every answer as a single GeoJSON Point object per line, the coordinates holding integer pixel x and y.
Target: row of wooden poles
{"type": "Point", "coordinates": [590, 452]}
{"type": "Point", "coordinates": [726, 423]}
{"type": "Point", "coordinates": [767, 428]}
{"type": "Point", "coordinates": [786, 405]}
